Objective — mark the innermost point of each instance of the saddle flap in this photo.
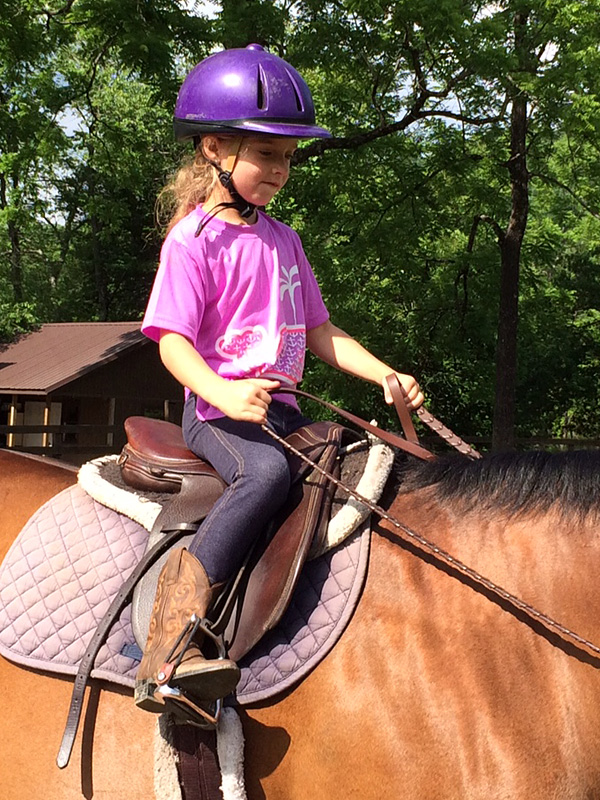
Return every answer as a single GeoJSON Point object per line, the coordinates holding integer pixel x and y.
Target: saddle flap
{"type": "Point", "coordinates": [276, 569]}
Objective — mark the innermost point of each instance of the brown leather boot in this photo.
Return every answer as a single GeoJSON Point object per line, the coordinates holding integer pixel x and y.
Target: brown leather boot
{"type": "Point", "coordinates": [183, 590]}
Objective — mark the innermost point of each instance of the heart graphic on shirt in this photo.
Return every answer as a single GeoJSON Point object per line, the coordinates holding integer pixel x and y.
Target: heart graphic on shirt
{"type": "Point", "coordinates": [235, 344]}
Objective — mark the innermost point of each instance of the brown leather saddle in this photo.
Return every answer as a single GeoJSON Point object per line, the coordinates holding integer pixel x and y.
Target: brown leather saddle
{"type": "Point", "coordinates": [156, 458]}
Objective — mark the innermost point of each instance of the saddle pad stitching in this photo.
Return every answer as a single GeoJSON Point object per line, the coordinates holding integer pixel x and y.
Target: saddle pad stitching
{"type": "Point", "coordinates": [255, 666]}
{"type": "Point", "coordinates": [260, 680]}
{"type": "Point", "coordinates": [64, 642]}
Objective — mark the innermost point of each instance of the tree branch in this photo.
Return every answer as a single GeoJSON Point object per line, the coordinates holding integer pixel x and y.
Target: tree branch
{"type": "Point", "coordinates": [54, 16]}
{"type": "Point", "coordinates": [415, 54]}
{"type": "Point", "coordinates": [561, 185]}
{"type": "Point", "coordinates": [318, 147]}
{"type": "Point", "coordinates": [416, 112]}
{"type": "Point", "coordinates": [491, 222]}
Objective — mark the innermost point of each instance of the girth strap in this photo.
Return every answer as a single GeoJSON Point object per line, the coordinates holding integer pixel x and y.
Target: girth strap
{"type": "Point", "coordinates": [197, 763]}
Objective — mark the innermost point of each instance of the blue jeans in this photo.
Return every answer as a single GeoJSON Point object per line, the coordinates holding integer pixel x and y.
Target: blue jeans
{"type": "Point", "coordinates": [254, 467]}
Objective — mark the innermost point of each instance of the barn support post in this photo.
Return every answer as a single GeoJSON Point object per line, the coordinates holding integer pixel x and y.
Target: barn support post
{"type": "Point", "coordinates": [12, 420]}
{"type": "Point", "coordinates": [47, 439]}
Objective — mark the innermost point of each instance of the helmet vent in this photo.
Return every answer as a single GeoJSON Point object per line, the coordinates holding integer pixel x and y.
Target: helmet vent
{"type": "Point", "coordinates": [262, 98]}
{"type": "Point", "coordinates": [297, 92]}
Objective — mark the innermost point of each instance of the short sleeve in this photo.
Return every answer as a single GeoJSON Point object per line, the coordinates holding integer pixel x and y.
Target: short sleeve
{"type": "Point", "coordinates": [177, 299]}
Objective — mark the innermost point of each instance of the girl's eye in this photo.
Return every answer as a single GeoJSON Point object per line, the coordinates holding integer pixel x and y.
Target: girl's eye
{"type": "Point", "coordinates": [265, 153]}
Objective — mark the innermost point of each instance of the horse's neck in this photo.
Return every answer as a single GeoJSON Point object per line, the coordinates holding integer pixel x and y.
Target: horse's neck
{"type": "Point", "coordinates": [547, 560]}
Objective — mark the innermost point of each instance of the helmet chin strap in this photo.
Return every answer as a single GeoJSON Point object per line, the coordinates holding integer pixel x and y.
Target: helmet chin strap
{"type": "Point", "coordinates": [243, 207]}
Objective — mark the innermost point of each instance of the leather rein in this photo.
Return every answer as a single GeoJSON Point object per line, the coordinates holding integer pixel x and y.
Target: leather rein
{"type": "Point", "coordinates": [410, 442]}
{"type": "Point", "coordinates": [410, 445]}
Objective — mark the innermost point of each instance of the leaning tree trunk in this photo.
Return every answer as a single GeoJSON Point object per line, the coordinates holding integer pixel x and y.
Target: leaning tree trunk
{"type": "Point", "coordinates": [100, 278]}
{"type": "Point", "coordinates": [503, 436]}
{"type": "Point", "coordinates": [14, 238]}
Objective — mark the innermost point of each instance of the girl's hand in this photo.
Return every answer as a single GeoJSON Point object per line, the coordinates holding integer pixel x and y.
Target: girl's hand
{"type": "Point", "coordinates": [411, 387]}
{"type": "Point", "coordinates": [247, 399]}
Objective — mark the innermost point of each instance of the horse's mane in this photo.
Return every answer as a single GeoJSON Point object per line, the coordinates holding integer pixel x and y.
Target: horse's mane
{"type": "Point", "coordinates": [515, 483]}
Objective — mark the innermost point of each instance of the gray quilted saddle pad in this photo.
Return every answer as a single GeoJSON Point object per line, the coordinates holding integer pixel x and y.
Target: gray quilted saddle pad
{"type": "Point", "coordinates": [63, 570]}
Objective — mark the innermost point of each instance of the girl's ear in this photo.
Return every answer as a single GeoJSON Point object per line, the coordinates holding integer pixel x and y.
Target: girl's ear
{"type": "Point", "coordinates": [211, 148]}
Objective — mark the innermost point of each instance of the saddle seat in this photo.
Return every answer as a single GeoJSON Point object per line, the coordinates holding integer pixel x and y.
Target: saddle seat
{"type": "Point", "coordinates": [156, 458]}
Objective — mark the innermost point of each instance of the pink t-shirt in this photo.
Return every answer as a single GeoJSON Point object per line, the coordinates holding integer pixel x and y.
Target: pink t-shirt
{"type": "Point", "coordinates": [244, 295]}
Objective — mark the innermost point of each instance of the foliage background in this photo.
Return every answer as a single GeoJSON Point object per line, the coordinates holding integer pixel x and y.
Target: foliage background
{"type": "Point", "coordinates": [403, 214]}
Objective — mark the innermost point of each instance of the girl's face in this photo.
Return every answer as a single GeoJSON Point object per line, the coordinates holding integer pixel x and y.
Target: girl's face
{"type": "Point", "coordinates": [263, 167]}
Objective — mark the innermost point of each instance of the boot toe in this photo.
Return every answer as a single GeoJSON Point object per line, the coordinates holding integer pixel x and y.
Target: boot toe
{"type": "Point", "coordinates": [211, 680]}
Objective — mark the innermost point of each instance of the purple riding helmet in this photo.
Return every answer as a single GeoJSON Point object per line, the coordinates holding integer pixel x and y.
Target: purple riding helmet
{"type": "Point", "coordinates": [245, 91]}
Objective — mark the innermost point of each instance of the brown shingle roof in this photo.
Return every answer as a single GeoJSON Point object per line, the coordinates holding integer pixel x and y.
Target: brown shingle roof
{"type": "Point", "coordinates": [47, 359]}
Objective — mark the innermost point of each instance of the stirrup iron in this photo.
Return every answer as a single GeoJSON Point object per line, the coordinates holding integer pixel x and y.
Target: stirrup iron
{"type": "Point", "coordinates": [158, 695]}
{"type": "Point", "coordinates": [189, 711]}
{"type": "Point", "coordinates": [189, 631]}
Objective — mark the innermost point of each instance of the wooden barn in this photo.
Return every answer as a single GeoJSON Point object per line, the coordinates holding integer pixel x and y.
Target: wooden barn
{"type": "Point", "coordinates": [66, 389]}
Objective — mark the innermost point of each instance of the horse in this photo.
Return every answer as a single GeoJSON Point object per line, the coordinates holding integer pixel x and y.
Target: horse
{"type": "Point", "coordinates": [442, 687]}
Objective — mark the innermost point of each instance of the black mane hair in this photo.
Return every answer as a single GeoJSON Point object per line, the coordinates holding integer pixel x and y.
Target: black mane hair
{"type": "Point", "coordinates": [515, 483]}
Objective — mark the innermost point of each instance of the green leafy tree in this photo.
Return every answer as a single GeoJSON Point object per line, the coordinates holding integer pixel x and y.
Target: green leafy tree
{"type": "Point", "coordinates": [505, 76]}
{"type": "Point", "coordinates": [84, 139]}
{"type": "Point", "coordinates": [452, 218]}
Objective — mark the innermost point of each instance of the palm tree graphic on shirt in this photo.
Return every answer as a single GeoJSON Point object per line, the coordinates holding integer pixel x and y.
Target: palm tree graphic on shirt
{"type": "Point", "coordinates": [289, 282]}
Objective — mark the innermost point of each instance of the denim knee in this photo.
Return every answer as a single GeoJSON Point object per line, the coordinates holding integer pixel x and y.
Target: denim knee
{"type": "Point", "coordinates": [270, 477]}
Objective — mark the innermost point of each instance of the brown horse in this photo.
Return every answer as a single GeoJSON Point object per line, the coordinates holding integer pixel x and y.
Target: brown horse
{"type": "Point", "coordinates": [439, 688]}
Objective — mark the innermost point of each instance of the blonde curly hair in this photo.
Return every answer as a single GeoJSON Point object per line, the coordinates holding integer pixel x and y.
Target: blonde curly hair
{"type": "Point", "coordinates": [191, 184]}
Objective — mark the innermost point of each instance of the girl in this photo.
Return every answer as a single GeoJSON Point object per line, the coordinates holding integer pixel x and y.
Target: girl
{"type": "Point", "coordinates": [233, 307]}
